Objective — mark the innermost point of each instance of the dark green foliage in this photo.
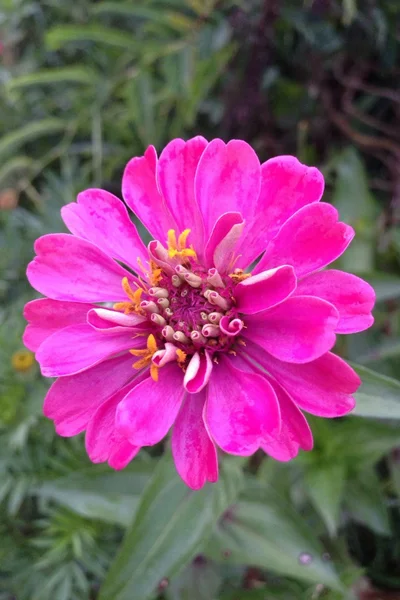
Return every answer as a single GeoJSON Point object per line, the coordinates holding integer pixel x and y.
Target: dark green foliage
{"type": "Point", "coordinates": [84, 86]}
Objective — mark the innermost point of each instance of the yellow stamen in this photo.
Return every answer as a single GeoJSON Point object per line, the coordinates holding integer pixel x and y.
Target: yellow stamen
{"type": "Point", "coordinates": [179, 249]}
{"type": "Point", "coordinates": [156, 273]}
{"type": "Point", "coordinates": [146, 354]}
{"type": "Point", "coordinates": [154, 372]}
{"type": "Point", "coordinates": [134, 296]}
{"type": "Point", "coordinates": [238, 275]}
{"type": "Point", "coordinates": [181, 356]}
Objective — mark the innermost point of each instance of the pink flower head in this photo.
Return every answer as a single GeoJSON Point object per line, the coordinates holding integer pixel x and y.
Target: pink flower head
{"type": "Point", "coordinates": [186, 334]}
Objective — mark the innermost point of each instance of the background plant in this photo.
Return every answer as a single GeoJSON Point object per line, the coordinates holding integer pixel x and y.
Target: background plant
{"type": "Point", "coordinates": [84, 86]}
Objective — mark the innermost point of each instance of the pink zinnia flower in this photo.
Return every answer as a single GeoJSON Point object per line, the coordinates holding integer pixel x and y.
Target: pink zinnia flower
{"type": "Point", "coordinates": [185, 333]}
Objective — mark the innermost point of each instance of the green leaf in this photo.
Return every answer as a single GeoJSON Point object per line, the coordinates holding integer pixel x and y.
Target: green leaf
{"type": "Point", "coordinates": [170, 527]}
{"type": "Point", "coordinates": [325, 484]}
{"type": "Point", "coordinates": [199, 581]}
{"type": "Point", "coordinates": [386, 286]}
{"type": "Point", "coordinates": [378, 396]}
{"type": "Point", "coordinates": [14, 166]}
{"type": "Point", "coordinates": [99, 493]}
{"type": "Point", "coordinates": [82, 75]}
{"type": "Point", "coordinates": [176, 20]}
{"type": "Point", "coordinates": [60, 35]}
{"type": "Point", "coordinates": [349, 11]}
{"type": "Point", "coordinates": [264, 531]}
{"type": "Point", "coordinates": [14, 140]}
{"type": "Point", "coordinates": [357, 207]}
{"type": "Point", "coordinates": [365, 501]}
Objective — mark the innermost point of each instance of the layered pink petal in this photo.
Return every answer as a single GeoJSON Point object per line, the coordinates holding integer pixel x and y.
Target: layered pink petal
{"type": "Point", "coordinates": [311, 239]}
{"type": "Point", "coordinates": [299, 330]}
{"type": "Point", "coordinates": [71, 401]}
{"type": "Point", "coordinates": [147, 413]}
{"type": "Point", "coordinates": [78, 347]}
{"type": "Point", "coordinates": [265, 290]}
{"type": "Point", "coordinates": [198, 372]}
{"type": "Point", "coordinates": [69, 268]}
{"type": "Point", "coordinates": [222, 242]}
{"type": "Point", "coordinates": [323, 387]}
{"type": "Point", "coordinates": [194, 452]}
{"type": "Point", "coordinates": [241, 409]}
{"type": "Point", "coordinates": [286, 186]}
{"type": "Point", "coordinates": [353, 297]}
{"type": "Point", "coordinates": [46, 316]}
{"type": "Point", "coordinates": [111, 321]}
{"type": "Point", "coordinates": [140, 192]}
{"type": "Point", "coordinates": [176, 172]}
{"type": "Point", "coordinates": [101, 218]}
{"type": "Point", "coordinates": [228, 179]}
{"type": "Point", "coordinates": [295, 432]}
{"type": "Point", "coordinates": [103, 442]}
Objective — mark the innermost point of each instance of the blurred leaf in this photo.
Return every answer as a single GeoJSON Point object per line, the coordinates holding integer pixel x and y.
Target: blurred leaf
{"type": "Point", "coordinates": [357, 207]}
{"type": "Point", "coordinates": [386, 286]}
{"type": "Point", "coordinates": [60, 35]}
{"type": "Point", "coordinates": [13, 166]}
{"type": "Point", "coordinates": [174, 19]}
{"type": "Point", "coordinates": [171, 525]}
{"type": "Point", "coordinates": [378, 396]}
{"type": "Point", "coordinates": [99, 493]}
{"type": "Point", "coordinates": [50, 76]}
{"type": "Point", "coordinates": [349, 11]}
{"type": "Point", "coordinates": [365, 501]}
{"type": "Point", "coordinates": [325, 485]}
{"type": "Point", "coordinates": [14, 140]}
{"type": "Point", "coordinates": [264, 531]}
{"type": "Point", "coordinates": [199, 581]}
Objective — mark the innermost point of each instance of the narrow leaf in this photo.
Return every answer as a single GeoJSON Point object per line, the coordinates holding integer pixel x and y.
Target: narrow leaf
{"type": "Point", "coordinates": [378, 396]}
{"type": "Point", "coordinates": [324, 484]}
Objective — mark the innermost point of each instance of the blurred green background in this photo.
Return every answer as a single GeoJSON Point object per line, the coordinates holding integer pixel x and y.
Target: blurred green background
{"type": "Point", "coordinates": [86, 85]}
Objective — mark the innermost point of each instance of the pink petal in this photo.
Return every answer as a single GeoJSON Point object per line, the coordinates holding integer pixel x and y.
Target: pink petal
{"type": "Point", "coordinates": [194, 452]}
{"type": "Point", "coordinates": [198, 372]}
{"type": "Point", "coordinates": [295, 432]}
{"type": "Point", "coordinates": [111, 321]}
{"type": "Point", "coordinates": [228, 179]}
{"type": "Point", "coordinates": [140, 192]}
{"type": "Point", "coordinates": [46, 316]}
{"type": "Point", "coordinates": [102, 219]}
{"type": "Point", "coordinates": [265, 290]}
{"type": "Point", "coordinates": [102, 441]}
{"type": "Point", "coordinates": [146, 413]}
{"type": "Point", "coordinates": [176, 172]}
{"type": "Point", "coordinates": [353, 297]}
{"type": "Point", "coordinates": [322, 387]}
{"type": "Point", "coordinates": [241, 409]}
{"type": "Point", "coordinates": [286, 186]}
{"type": "Point", "coordinates": [71, 401]}
{"type": "Point", "coordinates": [69, 268]}
{"type": "Point", "coordinates": [222, 242]}
{"type": "Point", "coordinates": [78, 347]}
{"type": "Point", "coordinates": [311, 239]}
{"type": "Point", "coordinates": [299, 330]}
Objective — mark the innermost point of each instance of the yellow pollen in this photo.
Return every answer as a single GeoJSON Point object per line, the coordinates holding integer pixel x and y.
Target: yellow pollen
{"type": "Point", "coordinates": [179, 249]}
{"type": "Point", "coordinates": [22, 361]}
{"type": "Point", "coordinates": [146, 355]}
{"type": "Point", "coordinates": [156, 273]}
{"type": "Point", "coordinates": [134, 296]}
{"type": "Point", "coordinates": [181, 356]}
{"type": "Point", "coordinates": [238, 275]}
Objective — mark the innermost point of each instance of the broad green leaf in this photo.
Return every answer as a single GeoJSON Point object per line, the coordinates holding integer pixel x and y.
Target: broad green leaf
{"type": "Point", "coordinates": [171, 525]}
{"type": "Point", "coordinates": [386, 286]}
{"type": "Point", "coordinates": [325, 484]}
{"type": "Point", "coordinates": [357, 207]}
{"type": "Point", "coordinates": [365, 501]}
{"type": "Point", "coordinates": [11, 142]}
{"type": "Point", "coordinates": [378, 396]}
{"type": "Point", "coordinates": [51, 76]}
{"type": "Point", "coordinates": [198, 581]}
{"type": "Point", "coordinates": [263, 530]}
{"type": "Point", "coordinates": [100, 493]}
{"type": "Point", "coordinates": [60, 35]}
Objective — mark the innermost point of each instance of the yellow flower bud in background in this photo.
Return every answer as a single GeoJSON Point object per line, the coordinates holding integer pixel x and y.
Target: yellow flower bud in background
{"type": "Point", "coordinates": [22, 361]}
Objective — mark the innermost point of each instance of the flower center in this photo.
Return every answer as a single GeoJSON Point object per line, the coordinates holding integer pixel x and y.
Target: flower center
{"type": "Point", "coordinates": [190, 308]}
